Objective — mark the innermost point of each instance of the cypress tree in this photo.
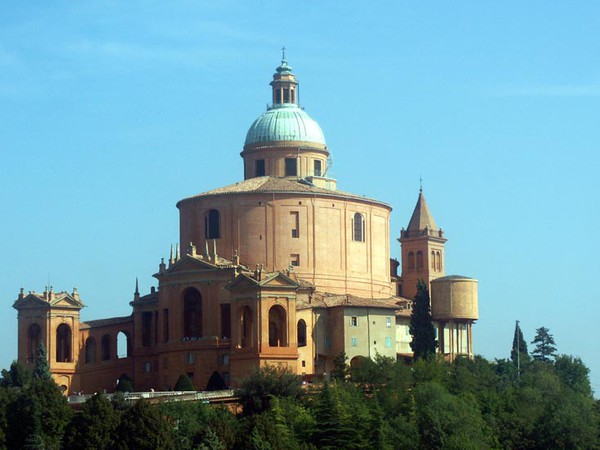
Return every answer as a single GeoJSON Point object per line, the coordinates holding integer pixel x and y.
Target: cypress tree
{"type": "Point", "coordinates": [519, 353]}
{"type": "Point", "coordinates": [42, 368]}
{"type": "Point", "coordinates": [421, 329]}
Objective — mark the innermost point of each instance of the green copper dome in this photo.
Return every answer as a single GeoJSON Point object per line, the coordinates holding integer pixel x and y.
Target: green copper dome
{"type": "Point", "coordinates": [285, 122]}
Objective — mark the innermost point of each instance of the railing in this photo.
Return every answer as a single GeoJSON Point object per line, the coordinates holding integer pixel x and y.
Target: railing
{"type": "Point", "coordinates": [206, 396]}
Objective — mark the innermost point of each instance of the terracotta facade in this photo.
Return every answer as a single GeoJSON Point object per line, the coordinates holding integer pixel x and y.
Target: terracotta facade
{"type": "Point", "coordinates": [280, 268]}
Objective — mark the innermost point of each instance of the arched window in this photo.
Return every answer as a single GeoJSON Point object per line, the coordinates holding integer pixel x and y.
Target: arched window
{"type": "Point", "coordinates": [432, 259]}
{"type": "Point", "coordinates": [34, 335]}
{"type": "Point", "coordinates": [246, 328]}
{"type": "Point", "coordinates": [277, 327]}
{"type": "Point", "coordinates": [419, 260]}
{"type": "Point", "coordinates": [301, 333]}
{"type": "Point", "coordinates": [123, 345]}
{"type": "Point", "coordinates": [192, 314]}
{"type": "Point", "coordinates": [90, 350]}
{"type": "Point", "coordinates": [358, 228]}
{"type": "Point", "coordinates": [105, 347]}
{"type": "Point", "coordinates": [411, 261]}
{"type": "Point", "coordinates": [63, 343]}
{"type": "Point", "coordinates": [212, 225]}
{"type": "Point", "coordinates": [438, 261]}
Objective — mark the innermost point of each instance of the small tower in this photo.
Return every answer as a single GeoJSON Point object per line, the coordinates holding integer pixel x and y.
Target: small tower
{"type": "Point", "coordinates": [285, 142]}
{"type": "Point", "coordinates": [422, 247]}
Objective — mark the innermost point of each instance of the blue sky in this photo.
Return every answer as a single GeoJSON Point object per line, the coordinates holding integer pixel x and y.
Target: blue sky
{"type": "Point", "coordinates": [112, 111]}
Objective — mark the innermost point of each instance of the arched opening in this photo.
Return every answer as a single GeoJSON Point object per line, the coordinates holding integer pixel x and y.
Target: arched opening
{"type": "Point", "coordinates": [277, 327]}
{"type": "Point", "coordinates": [34, 336]}
{"type": "Point", "coordinates": [90, 350]}
{"type": "Point", "coordinates": [63, 343]}
{"type": "Point", "coordinates": [212, 225]}
{"type": "Point", "coordinates": [411, 261]}
{"type": "Point", "coordinates": [433, 260]}
{"type": "Point", "coordinates": [246, 328]}
{"type": "Point", "coordinates": [419, 260]}
{"type": "Point", "coordinates": [123, 345]}
{"type": "Point", "coordinates": [192, 314]}
{"type": "Point", "coordinates": [357, 362]}
{"type": "Point", "coordinates": [438, 261]}
{"type": "Point", "coordinates": [301, 333]}
{"type": "Point", "coordinates": [105, 347]}
{"type": "Point", "coordinates": [358, 228]}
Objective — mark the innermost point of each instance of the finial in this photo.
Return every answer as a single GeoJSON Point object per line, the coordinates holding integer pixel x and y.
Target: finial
{"type": "Point", "coordinates": [171, 260]}
{"type": "Point", "coordinates": [177, 252]}
{"type": "Point", "coordinates": [420, 184]}
{"type": "Point", "coordinates": [137, 286]}
{"type": "Point", "coordinates": [282, 53]}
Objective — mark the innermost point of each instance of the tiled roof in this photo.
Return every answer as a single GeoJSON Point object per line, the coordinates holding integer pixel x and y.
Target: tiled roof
{"type": "Point", "coordinates": [105, 322]}
{"type": "Point", "coordinates": [421, 216]}
{"type": "Point", "coordinates": [278, 185]}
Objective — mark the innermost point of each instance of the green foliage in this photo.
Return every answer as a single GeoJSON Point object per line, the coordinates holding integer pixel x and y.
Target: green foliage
{"type": "Point", "coordinates": [386, 404]}
{"type": "Point", "coordinates": [184, 383]}
{"type": "Point", "coordinates": [42, 368]}
{"type": "Point", "coordinates": [574, 374]}
{"type": "Point", "coordinates": [39, 412]}
{"type": "Point", "coordinates": [423, 343]}
{"type": "Point", "coordinates": [447, 421]}
{"type": "Point", "coordinates": [257, 390]}
{"type": "Point", "coordinates": [341, 370]}
{"type": "Point", "coordinates": [124, 384]}
{"type": "Point", "coordinates": [518, 353]}
{"type": "Point", "coordinates": [18, 375]}
{"type": "Point", "coordinates": [143, 427]}
{"type": "Point", "coordinates": [545, 347]}
{"type": "Point", "coordinates": [216, 382]}
{"type": "Point", "coordinates": [94, 426]}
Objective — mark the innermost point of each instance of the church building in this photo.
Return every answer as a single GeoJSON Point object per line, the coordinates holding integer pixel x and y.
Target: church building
{"type": "Point", "coordinates": [280, 268]}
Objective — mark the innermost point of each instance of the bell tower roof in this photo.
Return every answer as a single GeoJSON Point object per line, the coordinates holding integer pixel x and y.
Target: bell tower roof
{"type": "Point", "coordinates": [421, 216]}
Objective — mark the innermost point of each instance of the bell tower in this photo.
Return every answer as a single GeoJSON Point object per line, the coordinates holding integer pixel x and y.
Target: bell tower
{"type": "Point", "coordinates": [422, 248]}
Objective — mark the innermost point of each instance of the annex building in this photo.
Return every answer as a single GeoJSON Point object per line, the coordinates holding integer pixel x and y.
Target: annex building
{"type": "Point", "coordinates": [280, 268]}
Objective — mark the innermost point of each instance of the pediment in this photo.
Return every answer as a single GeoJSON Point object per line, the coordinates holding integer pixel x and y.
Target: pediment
{"type": "Point", "coordinates": [190, 263]}
{"type": "Point", "coordinates": [66, 302]}
{"type": "Point", "coordinates": [243, 281]}
{"type": "Point", "coordinates": [31, 301]}
{"type": "Point", "coordinates": [279, 280]}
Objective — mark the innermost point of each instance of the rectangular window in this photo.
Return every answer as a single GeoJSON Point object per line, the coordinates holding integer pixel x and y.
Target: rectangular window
{"type": "Point", "coordinates": [225, 360]}
{"type": "Point", "coordinates": [286, 95]}
{"type": "Point", "coordinates": [148, 367]}
{"type": "Point", "coordinates": [295, 224]}
{"type": "Point", "coordinates": [388, 322]}
{"type": "Point", "coordinates": [291, 169]}
{"type": "Point", "coordinates": [259, 167]}
{"type": "Point", "coordinates": [226, 320]}
{"type": "Point", "coordinates": [388, 342]}
{"type": "Point", "coordinates": [354, 342]}
{"type": "Point", "coordinates": [190, 358]}
{"type": "Point", "coordinates": [147, 328]}
{"type": "Point", "coordinates": [328, 341]}
{"type": "Point", "coordinates": [295, 259]}
{"type": "Point", "coordinates": [353, 321]}
{"type": "Point", "coordinates": [318, 170]}
{"type": "Point", "coordinates": [165, 325]}
{"type": "Point", "coordinates": [303, 363]}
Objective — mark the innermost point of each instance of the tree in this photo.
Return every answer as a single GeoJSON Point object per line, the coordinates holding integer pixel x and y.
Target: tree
{"type": "Point", "coordinates": [184, 383]}
{"type": "Point", "coordinates": [519, 353]}
{"type": "Point", "coordinates": [143, 427]}
{"type": "Point", "coordinates": [258, 388]}
{"type": "Point", "coordinates": [573, 373]}
{"type": "Point", "coordinates": [94, 427]}
{"type": "Point", "coordinates": [545, 347]}
{"type": "Point", "coordinates": [341, 370]}
{"type": "Point", "coordinates": [424, 343]}
{"type": "Point", "coordinates": [124, 384]}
